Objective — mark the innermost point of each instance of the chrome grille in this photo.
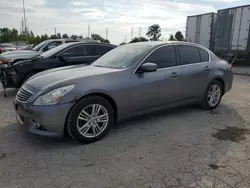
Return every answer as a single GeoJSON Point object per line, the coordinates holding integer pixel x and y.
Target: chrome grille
{"type": "Point", "coordinates": [23, 95]}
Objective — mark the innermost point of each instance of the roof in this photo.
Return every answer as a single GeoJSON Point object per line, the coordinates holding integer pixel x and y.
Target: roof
{"type": "Point", "coordinates": [201, 14]}
{"type": "Point", "coordinates": [154, 44]}
{"type": "Point", "coordinates": [242, 6]}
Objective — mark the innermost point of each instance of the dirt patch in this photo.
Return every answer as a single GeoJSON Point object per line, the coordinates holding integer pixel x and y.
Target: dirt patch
{"type": "Point", "coordinates": [233, 134]}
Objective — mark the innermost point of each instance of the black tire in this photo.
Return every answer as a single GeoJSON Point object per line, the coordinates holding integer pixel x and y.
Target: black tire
{"type": "Point", "coordinates": [205, 103]}
{"type": "Point", "coordinates": [76, 110]}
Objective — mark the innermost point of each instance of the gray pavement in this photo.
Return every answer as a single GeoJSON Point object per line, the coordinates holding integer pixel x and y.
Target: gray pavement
{"type": "Point", "coordinates": [241, 70]}
{"type": "Point", "coordinates": [173, 148]}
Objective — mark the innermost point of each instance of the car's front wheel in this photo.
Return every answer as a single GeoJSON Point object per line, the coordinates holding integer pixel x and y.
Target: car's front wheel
{"type": "Point", "coordinates": [90, 119]}
{"type": "Point", "coordinates": [212, 96]}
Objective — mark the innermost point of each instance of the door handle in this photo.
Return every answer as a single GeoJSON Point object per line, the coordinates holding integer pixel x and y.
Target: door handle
{"type": "Point", "coordinates": [207, 68]}
{"type": "Point", "coordinates": [175, 74]}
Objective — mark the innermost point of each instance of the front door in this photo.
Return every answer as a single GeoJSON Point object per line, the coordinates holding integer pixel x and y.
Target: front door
{"type": "Point", "coordinates": [195, 67]}
{"type": "Point", "coordinates": [153, 89]}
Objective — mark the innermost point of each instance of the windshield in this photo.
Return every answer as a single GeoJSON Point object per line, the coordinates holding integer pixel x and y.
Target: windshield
{"type": "Point", "coordinates": [122, 56]}
{"type": "Point", "coordinates": [54, 50]}
{"type": "Point", "coordinates": [39, 46]}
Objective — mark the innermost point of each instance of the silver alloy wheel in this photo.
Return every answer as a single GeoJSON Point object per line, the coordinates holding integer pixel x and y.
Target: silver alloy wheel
{"type": "Point", "coordinates": [92, 120]}
{"type": "Point", "coordinates": [214, 95]}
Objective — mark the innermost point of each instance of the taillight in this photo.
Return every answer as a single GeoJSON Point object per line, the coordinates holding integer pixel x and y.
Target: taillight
{"type": "Point", "coordinates": [230, 66]}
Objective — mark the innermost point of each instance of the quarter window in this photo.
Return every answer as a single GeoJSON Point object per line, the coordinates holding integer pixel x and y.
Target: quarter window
{"type": "Point", "coordinates": [204, 55]}
{"type": "Point", "coordinates": [188, 55]}
{"type": "Point", "coordinates": [164, 57]}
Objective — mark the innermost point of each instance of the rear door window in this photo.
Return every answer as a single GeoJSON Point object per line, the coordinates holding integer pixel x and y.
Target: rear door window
{"type": "Point", "coordinates": [82, 50]}
{"type": "Point", "coordinates": [188, 54]}
{"type": "Point", "coordinates": [101, 50]}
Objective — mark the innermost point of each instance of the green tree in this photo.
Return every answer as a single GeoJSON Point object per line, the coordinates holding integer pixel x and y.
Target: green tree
{"type": "Point", "coordinates": [179, 36]}
{"type": "Point", "coordinates": [154, 32]}
{"type": "Point", "coordinates": [138, 39]}
{"type": "Point", "coordinates": [59, 35]}
{"type": "Point", "coordinates": [74, 37]}
{"type": "Point", "coordinates": [53, 36]}
{"type": "Point", "coordinates": [98, 37]}
{"type": "Point", "coordinates": [123, 43]}
{"type": "Point", "coordinates": [171, 37]}
{"type": "Point", "coordinates": [5, 34]}
{"type": "Point", "coordinates": [65, 36]}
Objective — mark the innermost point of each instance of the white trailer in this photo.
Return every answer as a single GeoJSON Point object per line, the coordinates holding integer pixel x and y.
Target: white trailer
{"type": "Point", "coordinates": [232, 33]}
{"type": "Point", "coordinates": [200, 29]}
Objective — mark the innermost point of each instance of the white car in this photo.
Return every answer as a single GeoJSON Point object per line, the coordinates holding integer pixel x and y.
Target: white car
{"type": "Point", "coordinates": [8, 47]}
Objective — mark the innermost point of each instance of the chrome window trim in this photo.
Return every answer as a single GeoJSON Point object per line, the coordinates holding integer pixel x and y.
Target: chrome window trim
{"type": "Point", "coordinates": [178, 66]}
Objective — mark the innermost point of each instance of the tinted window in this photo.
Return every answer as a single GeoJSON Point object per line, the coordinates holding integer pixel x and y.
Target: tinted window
{"type": "Point", "coordinates": [39, 46]}
{"type": "Point", "coordinates": [204, 55]}
{"type": "Point", "coordinates": [163, 57]}
{"type": "Point", "coordinates": [68, 41]}
{"type": "Point", "coordinates": [54, 44]}
{"type": "Point", "coordinates": [188, 55]}
{"type": "Point", "coordinates": [84, 50]}
{"type": "Point", "coordinates": [101, 50]}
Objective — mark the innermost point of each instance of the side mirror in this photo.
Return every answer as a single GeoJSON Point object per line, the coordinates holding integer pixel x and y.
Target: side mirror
{"type": "Point", "coordinates": [148, 67]}
{"type": "Point", "coordinates": [45, 49]}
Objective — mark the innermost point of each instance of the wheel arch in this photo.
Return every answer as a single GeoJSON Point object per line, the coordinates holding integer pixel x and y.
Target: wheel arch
{"type": "Point", "coordinates": [99, 94]}
{"type": "Point", "coordinates": [219, 79]}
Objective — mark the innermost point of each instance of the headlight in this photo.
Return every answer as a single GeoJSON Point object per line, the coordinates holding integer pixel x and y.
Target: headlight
{"type": "Point", "coordinates": [53, 97]}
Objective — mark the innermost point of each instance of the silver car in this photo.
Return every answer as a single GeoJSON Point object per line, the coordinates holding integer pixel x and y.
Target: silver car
{"type": "Point", "coordinates": [86, 101]}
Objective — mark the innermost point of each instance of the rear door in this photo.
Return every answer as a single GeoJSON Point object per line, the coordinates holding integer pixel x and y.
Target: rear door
{"type": "Point", "coordinates": [153, 89]}
{"type": "Point", "coordinates": [103, 49]}
{"type": "Point", "coordinates": [80, 54]}
{"type": "Point", "coordinates": [195, 66]}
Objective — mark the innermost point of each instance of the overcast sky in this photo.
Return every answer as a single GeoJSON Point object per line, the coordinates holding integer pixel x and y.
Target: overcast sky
{"type": "Point", "coordinates": [73, 16]}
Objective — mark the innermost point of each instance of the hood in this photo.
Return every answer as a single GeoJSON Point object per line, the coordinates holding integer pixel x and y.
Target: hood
{"type": "Point", "coordinates": [19, 54]}
{"type": "Point", "coordinates": [51, 77]}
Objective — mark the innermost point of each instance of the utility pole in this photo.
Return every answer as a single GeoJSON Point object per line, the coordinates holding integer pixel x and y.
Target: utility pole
{"type": "Point", "coordinates": [132, 33]}
{"type": "Point", "coordinates": [125, 39]}
{"type": "Point", "coordinates": [24, 17]}
{"type": "Point", "coordinates": [106, 33]}
{"type": "Point", "coordinates": [88, 30]}
{"type": "Point", "coordinates": [55, 31]}
{"type": "Point", "coordinates": [22, 24]}
{"type": "Point", "coordinates": [140, 32]}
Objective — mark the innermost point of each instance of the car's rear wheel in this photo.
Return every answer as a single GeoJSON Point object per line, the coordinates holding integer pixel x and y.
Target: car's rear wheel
{"type": "Point", "coordinates": [212, 96]}
{"type": "Point", "coordinates": [90, 119]}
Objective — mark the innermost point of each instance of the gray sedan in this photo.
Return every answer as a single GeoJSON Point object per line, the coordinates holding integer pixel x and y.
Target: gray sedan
{"type": "Point", "coordinates": [86, 101]}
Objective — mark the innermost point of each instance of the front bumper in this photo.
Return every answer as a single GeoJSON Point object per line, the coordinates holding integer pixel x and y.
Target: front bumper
{"type": "Point", "coordinates": [50, 118]}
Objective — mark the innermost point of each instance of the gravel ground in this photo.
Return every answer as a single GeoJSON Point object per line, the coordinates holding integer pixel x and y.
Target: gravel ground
{"type": "Point", "coordinates": [183, 147]}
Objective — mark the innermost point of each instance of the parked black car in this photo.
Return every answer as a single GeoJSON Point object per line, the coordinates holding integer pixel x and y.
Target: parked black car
{"type": "Point", "coordinates": [14, 75]}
